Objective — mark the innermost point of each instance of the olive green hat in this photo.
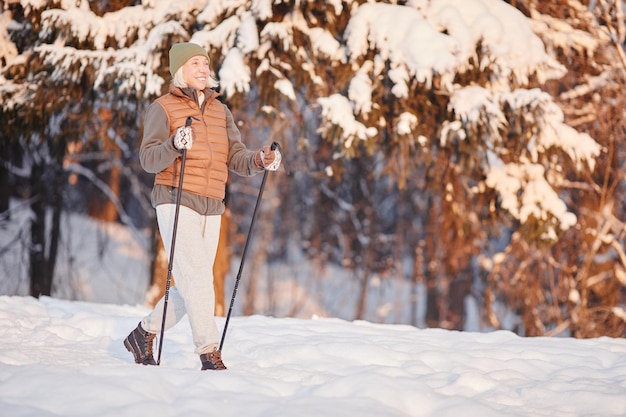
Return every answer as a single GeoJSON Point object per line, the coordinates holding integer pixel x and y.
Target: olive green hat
{"type": "Point", "coordinates": [181, 52]}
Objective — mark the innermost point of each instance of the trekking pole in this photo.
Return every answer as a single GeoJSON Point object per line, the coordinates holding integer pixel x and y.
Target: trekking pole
{"type": "Point", "coordinates": [245, 249]}
{"type": "Point", "coordinates": [169, 266]}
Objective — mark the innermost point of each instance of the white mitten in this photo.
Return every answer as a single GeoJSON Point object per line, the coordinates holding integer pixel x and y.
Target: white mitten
{"type": "Point", "coordinates": [183, 139]}
{"type": "Point", "coordinates": [273, 166]}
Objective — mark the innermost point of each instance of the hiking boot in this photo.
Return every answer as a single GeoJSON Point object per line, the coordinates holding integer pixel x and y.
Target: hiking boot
{"type": "Point", "coordinates": [212, 361]}
{"type": "Point", "coordinates": [139, 343]}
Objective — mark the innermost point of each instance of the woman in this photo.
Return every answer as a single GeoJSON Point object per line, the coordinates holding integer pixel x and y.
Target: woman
{"type": "Point", "coordinates": [214, 147]}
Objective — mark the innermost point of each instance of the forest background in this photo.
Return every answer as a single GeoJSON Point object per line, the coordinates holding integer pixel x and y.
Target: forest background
{"type": "Point", "coordinates": [468, 155]}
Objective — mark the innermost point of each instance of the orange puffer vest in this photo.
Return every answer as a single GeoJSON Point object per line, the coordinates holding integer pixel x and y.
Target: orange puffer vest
{"type": "Point", "coordinates": [206, 170]}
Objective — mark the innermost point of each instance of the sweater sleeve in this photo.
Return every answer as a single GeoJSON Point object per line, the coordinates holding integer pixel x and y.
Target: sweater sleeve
{"type": "Point", "coordinates": [157, 151]}
{"type": "Point", "coordinates": [240, 159]}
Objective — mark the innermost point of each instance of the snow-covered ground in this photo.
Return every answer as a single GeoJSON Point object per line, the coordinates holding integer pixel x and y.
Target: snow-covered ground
{"type": "Point", "coordinates": [66, 358]}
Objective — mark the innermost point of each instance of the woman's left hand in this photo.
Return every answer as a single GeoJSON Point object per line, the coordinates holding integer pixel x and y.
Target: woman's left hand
{"type": "Point", "coordinates": [268, 159]}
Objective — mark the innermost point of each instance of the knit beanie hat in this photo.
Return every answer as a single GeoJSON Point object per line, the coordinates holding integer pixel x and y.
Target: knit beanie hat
{"type": "Point", "coordinates": [181, 52]}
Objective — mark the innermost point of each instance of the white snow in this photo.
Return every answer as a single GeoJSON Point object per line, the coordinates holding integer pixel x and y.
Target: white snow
{"type": "Point", "coordinates": [324, 44]}
{"type": "Point", "coordinates": [526, 194]}
{"type": "Point", "coordinates": [221, 38]}
{"type": "Point", "coordinates": [401, 35]}
{"type": "Point", "coordinates": [360, 90]}
{"type": "Point", "coordinates": [406, 124]}
{"type": "Point", "coordinates": [338, 109]}
{"type": "Point", "coordinates": [233, 75]}
{"type": "Point", "coordinates": [286, 88]}
{"type": "Point", "coordinates": [63, 358]}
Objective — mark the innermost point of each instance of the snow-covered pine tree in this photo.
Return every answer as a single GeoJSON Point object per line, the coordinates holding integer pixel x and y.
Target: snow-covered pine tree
{"type": "Point", "coordinates": [578, 285]}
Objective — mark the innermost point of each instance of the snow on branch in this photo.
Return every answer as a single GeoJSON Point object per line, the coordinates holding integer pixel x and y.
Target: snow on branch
{"type": "Point", "coordinates": [222, 37]}
{"type": "Point", "coordinates": [14, 95]}
{"type": "Point", "coordinates": [285, 87]}
{"type": "Point", "coordinates": [234, 74]}
{"type": "Point", "coordinates": [70, 63]}
{"type": "Point", "coordinates": [132, 69]}
{"type": "Point", "coordinates": [557, 33]}
{"type": "Point", "coordinates": [521, 184]}
{"type": "Point", "coordinates": [526, 195]}
{"type": "Point", "coordinates": [247, 34]}
{"type": "Point", "coordinates": [401, 35]}
{"type": "Point", "coordinates": [360, 90]}
{"type": "Point", "coordinates": [324, 44]}
{"type": "Point", "coordinates": [282, 31]}
{"type": "Point", "coordinates": [337, 111]}
{"type": "Point", "coordinates": [215, 10]}
{"type": "Point", "coordinates": [126, 26]}
{"type": "Point", "coordinates": [475, 109]}
{"type": "Point", "coordinates": [78, 24]}
{"type": "Point", "coordinates": [516, 54]}
{"type": "Point", "coordinates": [552, 132]}
{"type": "Point", "coordinates": [440, 39]}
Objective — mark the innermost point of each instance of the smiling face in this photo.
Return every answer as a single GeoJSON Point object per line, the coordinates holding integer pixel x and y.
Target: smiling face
{"type": "Point", "coordinates": [196, 72]}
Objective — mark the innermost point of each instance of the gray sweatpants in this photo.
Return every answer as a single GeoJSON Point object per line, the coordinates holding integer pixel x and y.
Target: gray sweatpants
{"type": "Point", "coordinates": [197, 237]}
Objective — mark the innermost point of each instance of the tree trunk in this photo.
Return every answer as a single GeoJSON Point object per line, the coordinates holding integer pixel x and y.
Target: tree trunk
{"type": "Point", "coordinates": [417, 280]}
{"type": "Point", "coordinates": [46, 184]}
{"type": "Point", "coordinates": [55, 188]}
{"type": "Point", "coordinates": [362, 301]}
{"type": "Point", "coordinates": [431, 273]}
{"type": "Point", "coordinates": [459, 289]}
{"type": "Point", "coordinates": [368, 260]}
{"type": "Point", "coordinates": [40, 279]}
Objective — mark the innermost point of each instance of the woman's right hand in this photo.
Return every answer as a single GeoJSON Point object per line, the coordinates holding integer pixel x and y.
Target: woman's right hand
{"type": "Point", "coordinates": [183, 139]}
